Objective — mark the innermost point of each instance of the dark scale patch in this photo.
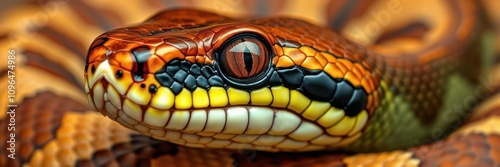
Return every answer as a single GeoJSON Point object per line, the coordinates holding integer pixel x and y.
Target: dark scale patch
{"type": "Point", "coordinates": [171, 70]}
{"type": "Point", "coordinates": [164, 79]}
{"type": "Point", "coordinates": [207, 72]}
{"type": "Point", "coordinates": [357, 103]}
{"type": "Point", "coordinates": [320, 86]}
{"type": "Point", "coordinates": [292, 77]}
{"type": "Point", "coordinates": [342, 94]}
{"type": "Point", "coordinates": [180, 76]}
{"type": "Point", "coordinates": [275, 79]}
{"type": "Point", "coordinates": [202, 82]}
{"type": "Point", "coordinates": [215, 81]}
{"type": "Point", "coordinates": [195, 70]}
{"type": "Point", "coordinates": [190, 83]}
{"type": "Point", "coordinates": [185, 65]}
{"type": "Point", "coordinates": [141, 55]}
{"type": "Point", "coordinates": [176, 88]}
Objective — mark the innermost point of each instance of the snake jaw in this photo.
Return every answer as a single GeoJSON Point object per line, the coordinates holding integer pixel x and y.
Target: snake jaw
{"type": "Point", "coordinates": [288, 124]}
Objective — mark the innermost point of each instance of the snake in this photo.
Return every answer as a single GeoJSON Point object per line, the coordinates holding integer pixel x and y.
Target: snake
{"type": "Point", "coordinates": [365, 83]}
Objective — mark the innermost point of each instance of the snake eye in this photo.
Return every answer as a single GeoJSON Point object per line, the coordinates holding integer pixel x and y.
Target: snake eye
{"type": "Point", "coordinates": [244, 57]}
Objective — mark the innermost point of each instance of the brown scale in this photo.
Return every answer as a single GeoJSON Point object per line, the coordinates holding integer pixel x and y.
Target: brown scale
{"type": "Point", "coordinates": [289, 159]}
{"type": "Point", "coordinates": [138, 152]}
{"type": "Point", "coordinates": [462, 150]}
{"type": "Point", "coordinates": [37, 120]}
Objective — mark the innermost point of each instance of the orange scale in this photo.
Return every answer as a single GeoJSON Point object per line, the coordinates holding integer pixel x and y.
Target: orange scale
{"type": "Point", "coordinates": [200, 59]}
{"type": "Point", "coordinates": [208, 61]}
{"type": "Point", "coordinates": [365, 83]}
{"type": "Point", "coordinates": [351, 77]}
{"type": "Point", "coordinates": [201, 50]}
{"type": "Point", "coordinates": [284, 61]}
{"type": "Point", "coordinates": [375, 82]}
{"type": "Point", "coordinates": [372, 83]}
{"type": "Point", "coordinates": [366, 64]}
{"type": "Point", "coordinates": [191, 59]}
{"type": "Point", "coordinates": [125, 58]}
{"type": "Point", "coordinates": [348, 64]}
{"type": "Point", "coordinates": [329, 57]}
{"type": "Point", "coordinates": [333, 71]}
{"type": "Point", "coordinates": [278, 50]}
{"type": "Point", "coordinates": [321, 46]}
{"type": "Point", "coordinates": [376, 99]}
{"type": "Point", "coordinates": [360, 67]}
{"type": "Point", "coordinates": [337, 51]}
{"type": "Point", "coordinates": [296, 55]}
{"type": "Point", "coordinates": [168, 53]}
{"type": "Point", "coordinates": [342, 67]}
{"type": "Point", "coordinates": [309, 41]}
{"type": "Point", "coordinates": [308, 50]}
{"type": "Point", "coordinates": [357, 72]}
{"type": "Point", "coordinates": [154, 64]}
{"type": "Point", "coordinates": [113, 62]}
{"type": "Point", "coordinates": [98, 54]}
{"type": "Point", "coordinates": [312, 64]}
{"type": "Point", "coordinates": [275, 60]}
{"type": "Point", "coordinates": [369, 103]}
{"type": "Point", "coordinates": [321, 59]}
{"type": "Point", "coordinates": [152, 80]}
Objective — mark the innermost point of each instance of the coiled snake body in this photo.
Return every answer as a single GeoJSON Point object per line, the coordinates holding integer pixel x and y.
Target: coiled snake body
{"type": "Point", "coordinates": [189, 87]}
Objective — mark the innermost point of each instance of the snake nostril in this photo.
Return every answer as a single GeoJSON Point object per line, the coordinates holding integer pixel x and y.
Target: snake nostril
{"type": "Point", "coordinates": [92, 69]}
{"type": "Point", "coordinates": [143, 86]}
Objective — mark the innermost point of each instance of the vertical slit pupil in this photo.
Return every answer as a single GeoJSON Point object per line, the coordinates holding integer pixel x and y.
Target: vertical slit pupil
{"type": "Point", "coordinates": [247, 56]}
{"type": "Point", "coordinates": [244, 57]}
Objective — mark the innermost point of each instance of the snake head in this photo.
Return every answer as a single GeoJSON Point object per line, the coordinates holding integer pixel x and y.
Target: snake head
{"type": "Point", "coordinates": [202, 80]}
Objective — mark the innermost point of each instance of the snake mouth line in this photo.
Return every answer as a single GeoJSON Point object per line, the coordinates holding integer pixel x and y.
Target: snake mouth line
{"type": "Point", "coordinates": [233, 127]}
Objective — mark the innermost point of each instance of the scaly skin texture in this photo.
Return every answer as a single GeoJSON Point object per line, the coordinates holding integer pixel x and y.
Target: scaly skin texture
{"type": "Point", "coordinates": [195, 37]}
{"type": "Point", "coordinates": [59, 131]}
{"type": "Point", "coordinates": [333, 85]}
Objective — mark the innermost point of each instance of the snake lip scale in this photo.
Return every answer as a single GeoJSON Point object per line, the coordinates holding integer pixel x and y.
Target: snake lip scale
{"type": "Point", "coordinates": [202, 124]}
